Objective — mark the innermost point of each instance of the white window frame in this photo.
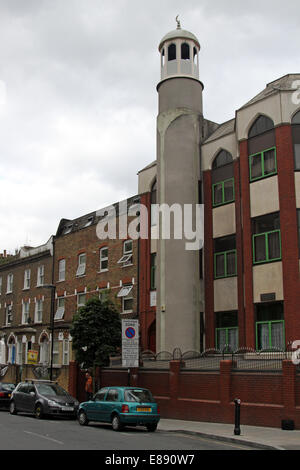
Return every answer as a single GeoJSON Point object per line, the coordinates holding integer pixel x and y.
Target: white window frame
{"type": "Point", "coordinates": [81, 294]}
{"type": "Point", "coordinates": [41, 275]}
{"type": "Point", "coordinates": [62, 270]}
{"type": "Point", "coordinates": [10, 283]}
{"type": "Point", "coordinates": [66, 350]}
{"type": "Point", "coordinates": [60, 312]}
{"type": "Point", "coordinates": [27, 275]}
{"type": "Point", "coordinates": [103, 259]}
{"type": "Point", "coordinates": [25, 312]}
{"type": "Point", "coordinates": [38, 314]}
{"type": "Point", "coordinates": [8, 313]}
{"type": "Point", "coordinates": [44, 351]}
{"type": "Point", "coordinates": [126, 259]}
{"type": "Point", "coordinates": [19, 352]}
{"type": "Point", "coordinates": [55, 356]}
{"type": "Point", "coordinates": [124, 293]}
{"type": "Point", "coordinates": [81, 265]}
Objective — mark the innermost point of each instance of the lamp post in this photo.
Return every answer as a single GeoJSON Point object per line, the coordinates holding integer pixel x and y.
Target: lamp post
{"type": "Point", "coordinates": [52, 287]}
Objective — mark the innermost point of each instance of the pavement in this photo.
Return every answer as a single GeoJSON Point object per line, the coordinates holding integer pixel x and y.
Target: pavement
{"type": "Point", "coordinates": [253, 436]}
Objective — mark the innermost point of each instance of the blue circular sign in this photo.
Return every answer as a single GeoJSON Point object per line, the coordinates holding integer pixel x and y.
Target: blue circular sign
{"type": "Point", "coordinates": [130, 332]}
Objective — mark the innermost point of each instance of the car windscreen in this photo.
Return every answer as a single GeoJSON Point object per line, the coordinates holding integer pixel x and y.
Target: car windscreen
{"type": "Point", "coordinates": [8, 387]}
{"type": "Point", "coordinates": [51, 390]}
{"type": "Point", "coordinates": [138, 395]}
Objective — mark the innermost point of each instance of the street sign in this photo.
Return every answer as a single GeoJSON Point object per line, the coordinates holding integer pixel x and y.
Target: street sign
{"type": "Point", "coordinates": [130, 343]}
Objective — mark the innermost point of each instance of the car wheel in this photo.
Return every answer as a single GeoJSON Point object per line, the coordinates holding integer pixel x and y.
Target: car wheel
{"type": "Point", "coordinates": [82, 419]}
{"type": "Point", "coordinates": [12, 408]}
{"type": "Point", "coordinates": [151, 427]}
{"type": "Point", "coordinates": [116, 423]}
{"type": "Point", "coordinates": [38, 411]}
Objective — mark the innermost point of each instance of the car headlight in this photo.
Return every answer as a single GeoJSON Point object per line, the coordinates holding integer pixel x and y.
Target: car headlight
{"type": "Point", "coordinates": [76, 403]}
{"type": "Point", "coordinates": [52, 403]}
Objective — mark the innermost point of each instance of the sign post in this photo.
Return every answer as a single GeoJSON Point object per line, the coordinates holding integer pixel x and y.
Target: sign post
{"type": "Point", "coordinates": [130, 343]}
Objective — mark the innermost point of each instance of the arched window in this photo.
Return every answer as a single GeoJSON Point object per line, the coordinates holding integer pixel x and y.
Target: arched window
{"type": "Point", "coordinates": [296, 139]}
{"type": "Point", "coordinates": [296, 118]}
{"type": "Point", "coordinates": [172, 52]}
{"type": "Point", "coordinates": [262, 148]}
{"type": "Point", "coordinates": [185, 51]}
{"type": "Point", "coordinates": [223, 158]}
{"type": "Point", "coordinates": [163, 57]}
{"type": "Point", "coordinates": [222, 179]}
{"type": "Point", "coordinates": [44, 350]}
{"type": "Point", "coordinates": [195, 55]}
{"type": "Point", "coordinates": [262, 124]}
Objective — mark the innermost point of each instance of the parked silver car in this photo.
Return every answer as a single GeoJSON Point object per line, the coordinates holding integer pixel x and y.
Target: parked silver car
{"type": "Point", "coordinates": [41, 398]}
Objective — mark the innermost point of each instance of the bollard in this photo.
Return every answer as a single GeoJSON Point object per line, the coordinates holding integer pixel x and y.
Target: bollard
{"type": "Point", "coordinates": [237, 428]}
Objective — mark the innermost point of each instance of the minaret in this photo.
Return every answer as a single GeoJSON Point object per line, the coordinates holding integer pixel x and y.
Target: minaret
{"type": "Point", "coordinates": [179, 131]}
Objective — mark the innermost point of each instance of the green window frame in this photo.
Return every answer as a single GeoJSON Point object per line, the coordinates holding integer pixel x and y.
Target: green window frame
{"type": "Point", "coordinates": [270, 324]}
{"type": "Point", "coordinates": [225, 255]}
{"type": "Point", "coordinates": [221, 185]}
{"type": "Point", "coordinates": [261, 156]}
{"type": "Point", "coordinates": [267, 247]}
{"type": "Point", "coordinates": [227, 331]}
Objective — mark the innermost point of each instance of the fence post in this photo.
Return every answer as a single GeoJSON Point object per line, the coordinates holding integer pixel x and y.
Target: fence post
{"type": "Point", "coordinates": [289, 388]}
{"type": "Point", "coordinates": [134, 377]}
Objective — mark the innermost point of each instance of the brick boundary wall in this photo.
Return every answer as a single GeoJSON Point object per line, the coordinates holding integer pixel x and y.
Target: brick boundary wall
{"type": "Point", "coordinates": [267, 397]}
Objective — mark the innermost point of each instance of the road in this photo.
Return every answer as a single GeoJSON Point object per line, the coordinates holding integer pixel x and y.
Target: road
{"type": "Point", "coordinates": [24, 432]}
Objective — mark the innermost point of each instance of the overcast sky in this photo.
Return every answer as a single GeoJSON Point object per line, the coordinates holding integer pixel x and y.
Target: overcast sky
{"type": "Point", "coordinates": [78, 99]}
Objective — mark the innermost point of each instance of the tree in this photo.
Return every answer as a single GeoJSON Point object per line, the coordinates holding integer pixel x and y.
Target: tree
{"type": "Point", "coordinates": [96, 333]}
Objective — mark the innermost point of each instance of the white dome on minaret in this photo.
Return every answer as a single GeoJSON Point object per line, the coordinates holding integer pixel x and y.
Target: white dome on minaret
{"type": "Point", "coordinates": [179, 51]}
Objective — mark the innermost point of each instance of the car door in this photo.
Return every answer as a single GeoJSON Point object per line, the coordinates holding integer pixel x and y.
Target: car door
{"type": "Point", "coordinates": [112, 401]}
{"type": "Point", "coordinates": [19, 397]}
{"type": "Point", "coordinates": [94, 408]}
{"type": "Point", "coordinates": [30, 399]}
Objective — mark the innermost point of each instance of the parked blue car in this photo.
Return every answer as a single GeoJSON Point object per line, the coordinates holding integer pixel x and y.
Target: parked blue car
{"type": "Point", "coordinates": [121, 406]}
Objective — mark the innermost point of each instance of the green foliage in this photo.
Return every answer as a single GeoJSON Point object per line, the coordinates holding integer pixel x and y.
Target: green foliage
{"type": "Point", "coordinates": [96, 333]}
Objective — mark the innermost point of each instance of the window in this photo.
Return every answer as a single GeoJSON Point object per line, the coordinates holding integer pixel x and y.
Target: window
{"type": "Point", "coordinates": [127, 299]}
{"type": "Point", "coordinates": [44, 350]}
{"type": "Point", "coordinates": [113, 395]}
{"type": "Point", "coordinates": [38, 315]}
{"type": "Point", "coordinates": [59, 314]}
{"type": "Point", "coordinates": [89, 222]}
{"type": "Point", "coordinates": [223, 158]}
{"type": "Point", "coordinates": [62, 270]}
{"type": "Point", "coordinates": [172, 52]}
{"type": "Point", "coordinates": [103, 295]}
{"type": "Point", "coordinates": [185, 51]}
{"type": "Point", "coordinates": [27, 275]}
{"type": "Point", "coordinates": [40, 276]}
{"type": "Point", "coordinates": [225, 258]}
{"type": "Point", "coordinates": [127, 253]}
{"type": "Point", "coordinates": [25, 312]}
{"type": "Point", "coordinates": [55, 352]}
{"type": "Point", "coordinates": [0, 285]}
{"type": "Point", "coordinates": [81, 300]}
{"type": "Point", "coordinates": [260, 126]}
{"type": "Point", "coordinates": [296, 139]}
{"type": "Point", "coordinates": [266, 238]}
{"type": "Point", "coordinates": [68, 229]}
{"type": "Point", "coordinates": [10, 283]}
{"type": "Point", "coordinates": [65, 352]}
{"type": "Point", "coordinates": [8, 314]}
{"type": "Point", "coordinates": [223, 192]}
{"type": "Point", "coordinates": [227, 330]}
{"type": "Point", "coordinates": [263, 164]}
{"type": "Point", "coordinates": [11, 351]}
{"type": "Point", "coordinates": [270, 326]}
{"type": "Point", "coordinates": [153, 271]}
{"type": "Point", "coordinates": [81, 264]}
{"type": "Point", "coordinates": [19, 351]}
{"type": "Point", "coordinates": [222, 179]}
{"type": "Point", "coordinates": [104, 259]}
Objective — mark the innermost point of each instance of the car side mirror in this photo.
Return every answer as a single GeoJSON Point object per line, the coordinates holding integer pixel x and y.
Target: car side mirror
{"type": "Point", "coordinates": [32, 394]}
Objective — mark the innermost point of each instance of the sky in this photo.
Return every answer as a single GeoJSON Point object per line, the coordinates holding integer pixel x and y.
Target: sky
{"type": "Point", "coordinates": [78, 99]}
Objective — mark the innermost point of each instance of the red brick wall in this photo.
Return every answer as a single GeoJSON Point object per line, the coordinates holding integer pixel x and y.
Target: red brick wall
{"type": "Point", "coordinates": [266, 398]}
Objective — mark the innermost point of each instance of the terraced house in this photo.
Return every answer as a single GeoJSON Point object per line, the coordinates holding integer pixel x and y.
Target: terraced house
{"type": "Point", "coordinates": [42, 288]}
